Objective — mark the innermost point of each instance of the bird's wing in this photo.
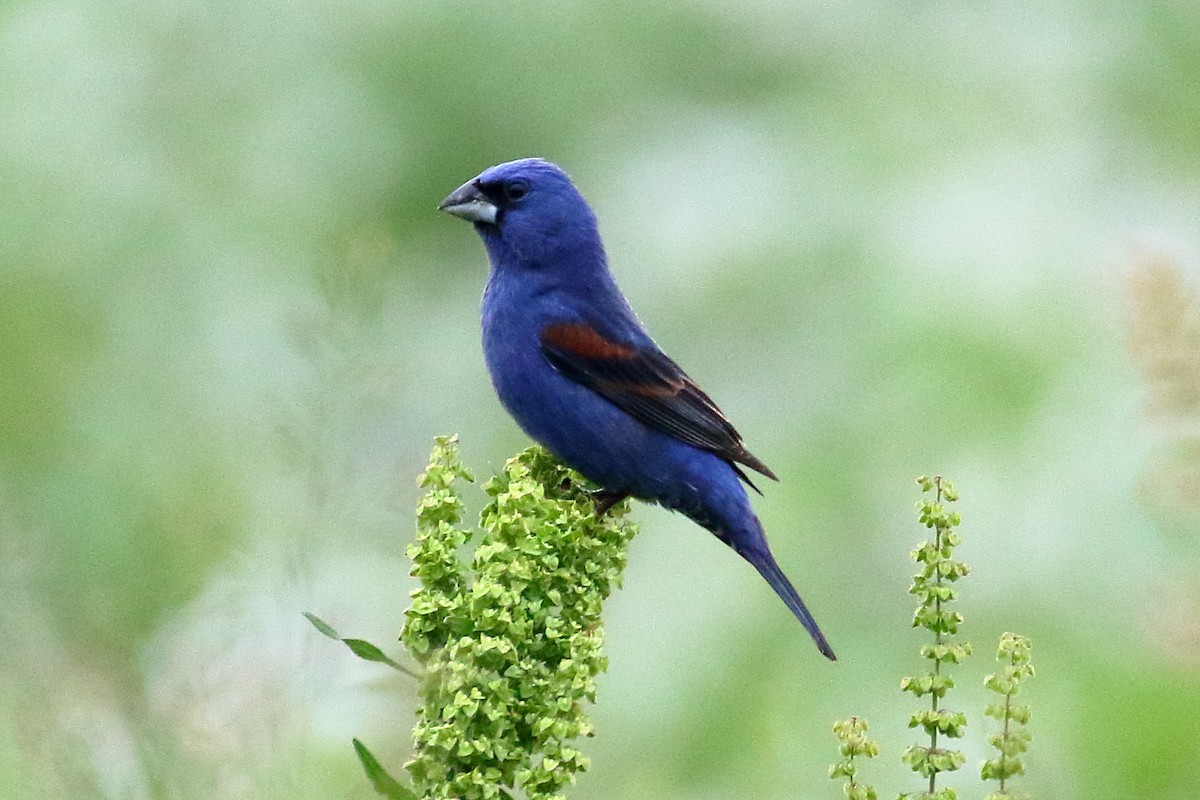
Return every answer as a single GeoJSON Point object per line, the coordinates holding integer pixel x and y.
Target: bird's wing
{"type": "Point", "coordinates": [647, 385]}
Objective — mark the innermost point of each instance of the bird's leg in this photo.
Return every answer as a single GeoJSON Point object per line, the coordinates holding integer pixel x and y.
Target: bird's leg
{"type": "Point", "coordinates": [606, 499]}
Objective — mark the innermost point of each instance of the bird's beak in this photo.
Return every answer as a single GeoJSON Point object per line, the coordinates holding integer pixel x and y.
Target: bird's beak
{"type": "Point", "coordinates": [469, 203]}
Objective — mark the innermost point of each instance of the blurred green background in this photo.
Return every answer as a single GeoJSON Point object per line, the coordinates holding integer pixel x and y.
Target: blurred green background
{"type": "Point", "coordinates": [888, 238]}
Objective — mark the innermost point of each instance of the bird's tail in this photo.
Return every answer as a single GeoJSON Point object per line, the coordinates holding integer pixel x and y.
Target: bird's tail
{"type": "Point", "coordinates": [764, 562]}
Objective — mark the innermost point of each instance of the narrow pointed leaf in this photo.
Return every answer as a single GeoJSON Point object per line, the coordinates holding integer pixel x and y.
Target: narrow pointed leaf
{"type": "Point", "coordinates": [382, 782]}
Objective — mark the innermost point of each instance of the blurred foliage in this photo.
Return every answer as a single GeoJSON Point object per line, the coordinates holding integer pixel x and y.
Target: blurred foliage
{"type": "Point", "coordinates": [1165, 337]}
{"type": "Point", "coordinates": [885, 239]}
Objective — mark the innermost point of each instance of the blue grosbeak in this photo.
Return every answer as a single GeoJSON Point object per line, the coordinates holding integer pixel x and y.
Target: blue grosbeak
{"type": "Point", "coordinates": [575, 368]}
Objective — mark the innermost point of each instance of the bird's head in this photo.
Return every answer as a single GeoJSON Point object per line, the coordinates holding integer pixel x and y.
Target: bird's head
{"type": "Point", "coordinates": [528, 213]}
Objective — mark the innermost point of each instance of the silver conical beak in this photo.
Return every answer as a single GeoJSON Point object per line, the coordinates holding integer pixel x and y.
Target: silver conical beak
{"type": "Point", "coordinates": [470, 203]}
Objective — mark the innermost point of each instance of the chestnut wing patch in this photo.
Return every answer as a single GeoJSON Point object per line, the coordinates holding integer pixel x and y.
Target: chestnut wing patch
{"type": "Point", "coordinates": [648, 386]}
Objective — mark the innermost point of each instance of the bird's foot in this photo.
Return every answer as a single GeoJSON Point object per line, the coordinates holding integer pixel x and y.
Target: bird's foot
{"type": "Point", "coordinates": [606, 499]}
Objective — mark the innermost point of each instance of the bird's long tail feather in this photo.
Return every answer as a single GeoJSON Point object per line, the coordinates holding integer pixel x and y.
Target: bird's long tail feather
{"type": "Point", "coordinates": [764, 562]}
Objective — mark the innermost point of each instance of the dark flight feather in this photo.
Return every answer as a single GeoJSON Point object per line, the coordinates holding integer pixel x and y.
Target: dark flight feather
{"type": "Point", "coordinates": [650, 387]}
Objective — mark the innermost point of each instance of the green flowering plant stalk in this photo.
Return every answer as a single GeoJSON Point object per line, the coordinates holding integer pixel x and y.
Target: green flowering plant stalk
{"type": "Point", "coordinates": [935, 586]}
{"type": "Point", "coordinates": [853, 742]}
{"type": "Point", "coordinates": [511, 642]}
{"type": "Point", "coordinates": [511, 645]}
{"type": "Point", "coordinates": [1013, 740]}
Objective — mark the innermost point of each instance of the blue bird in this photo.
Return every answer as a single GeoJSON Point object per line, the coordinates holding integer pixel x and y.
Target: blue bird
{"type": "Point", "coordinates": [576, 370]}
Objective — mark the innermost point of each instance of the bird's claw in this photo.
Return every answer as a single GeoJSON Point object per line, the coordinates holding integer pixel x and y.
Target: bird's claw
{"type": "Point", "coordinates": [606, 499]}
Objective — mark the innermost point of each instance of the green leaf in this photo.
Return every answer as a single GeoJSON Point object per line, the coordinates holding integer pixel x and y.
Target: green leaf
{"type": "Point", "coordinates": [322, 626]}
{"type": "Point", "coordinates": [382, 782]}
{"type": "Point", "coordinates": [363, 649]}
{"type": "Point", "coordinates": [369, 652]}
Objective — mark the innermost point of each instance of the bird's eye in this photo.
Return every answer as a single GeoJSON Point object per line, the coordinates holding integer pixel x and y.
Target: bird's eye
{"type": "Point", "coordinates": [515, 190]}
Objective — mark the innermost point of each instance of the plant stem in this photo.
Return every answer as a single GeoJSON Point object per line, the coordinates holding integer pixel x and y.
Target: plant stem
{"type": "Point", "coordinates": [1004, 751]}
{"type": "Point", "coordinates": [937, 637]}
